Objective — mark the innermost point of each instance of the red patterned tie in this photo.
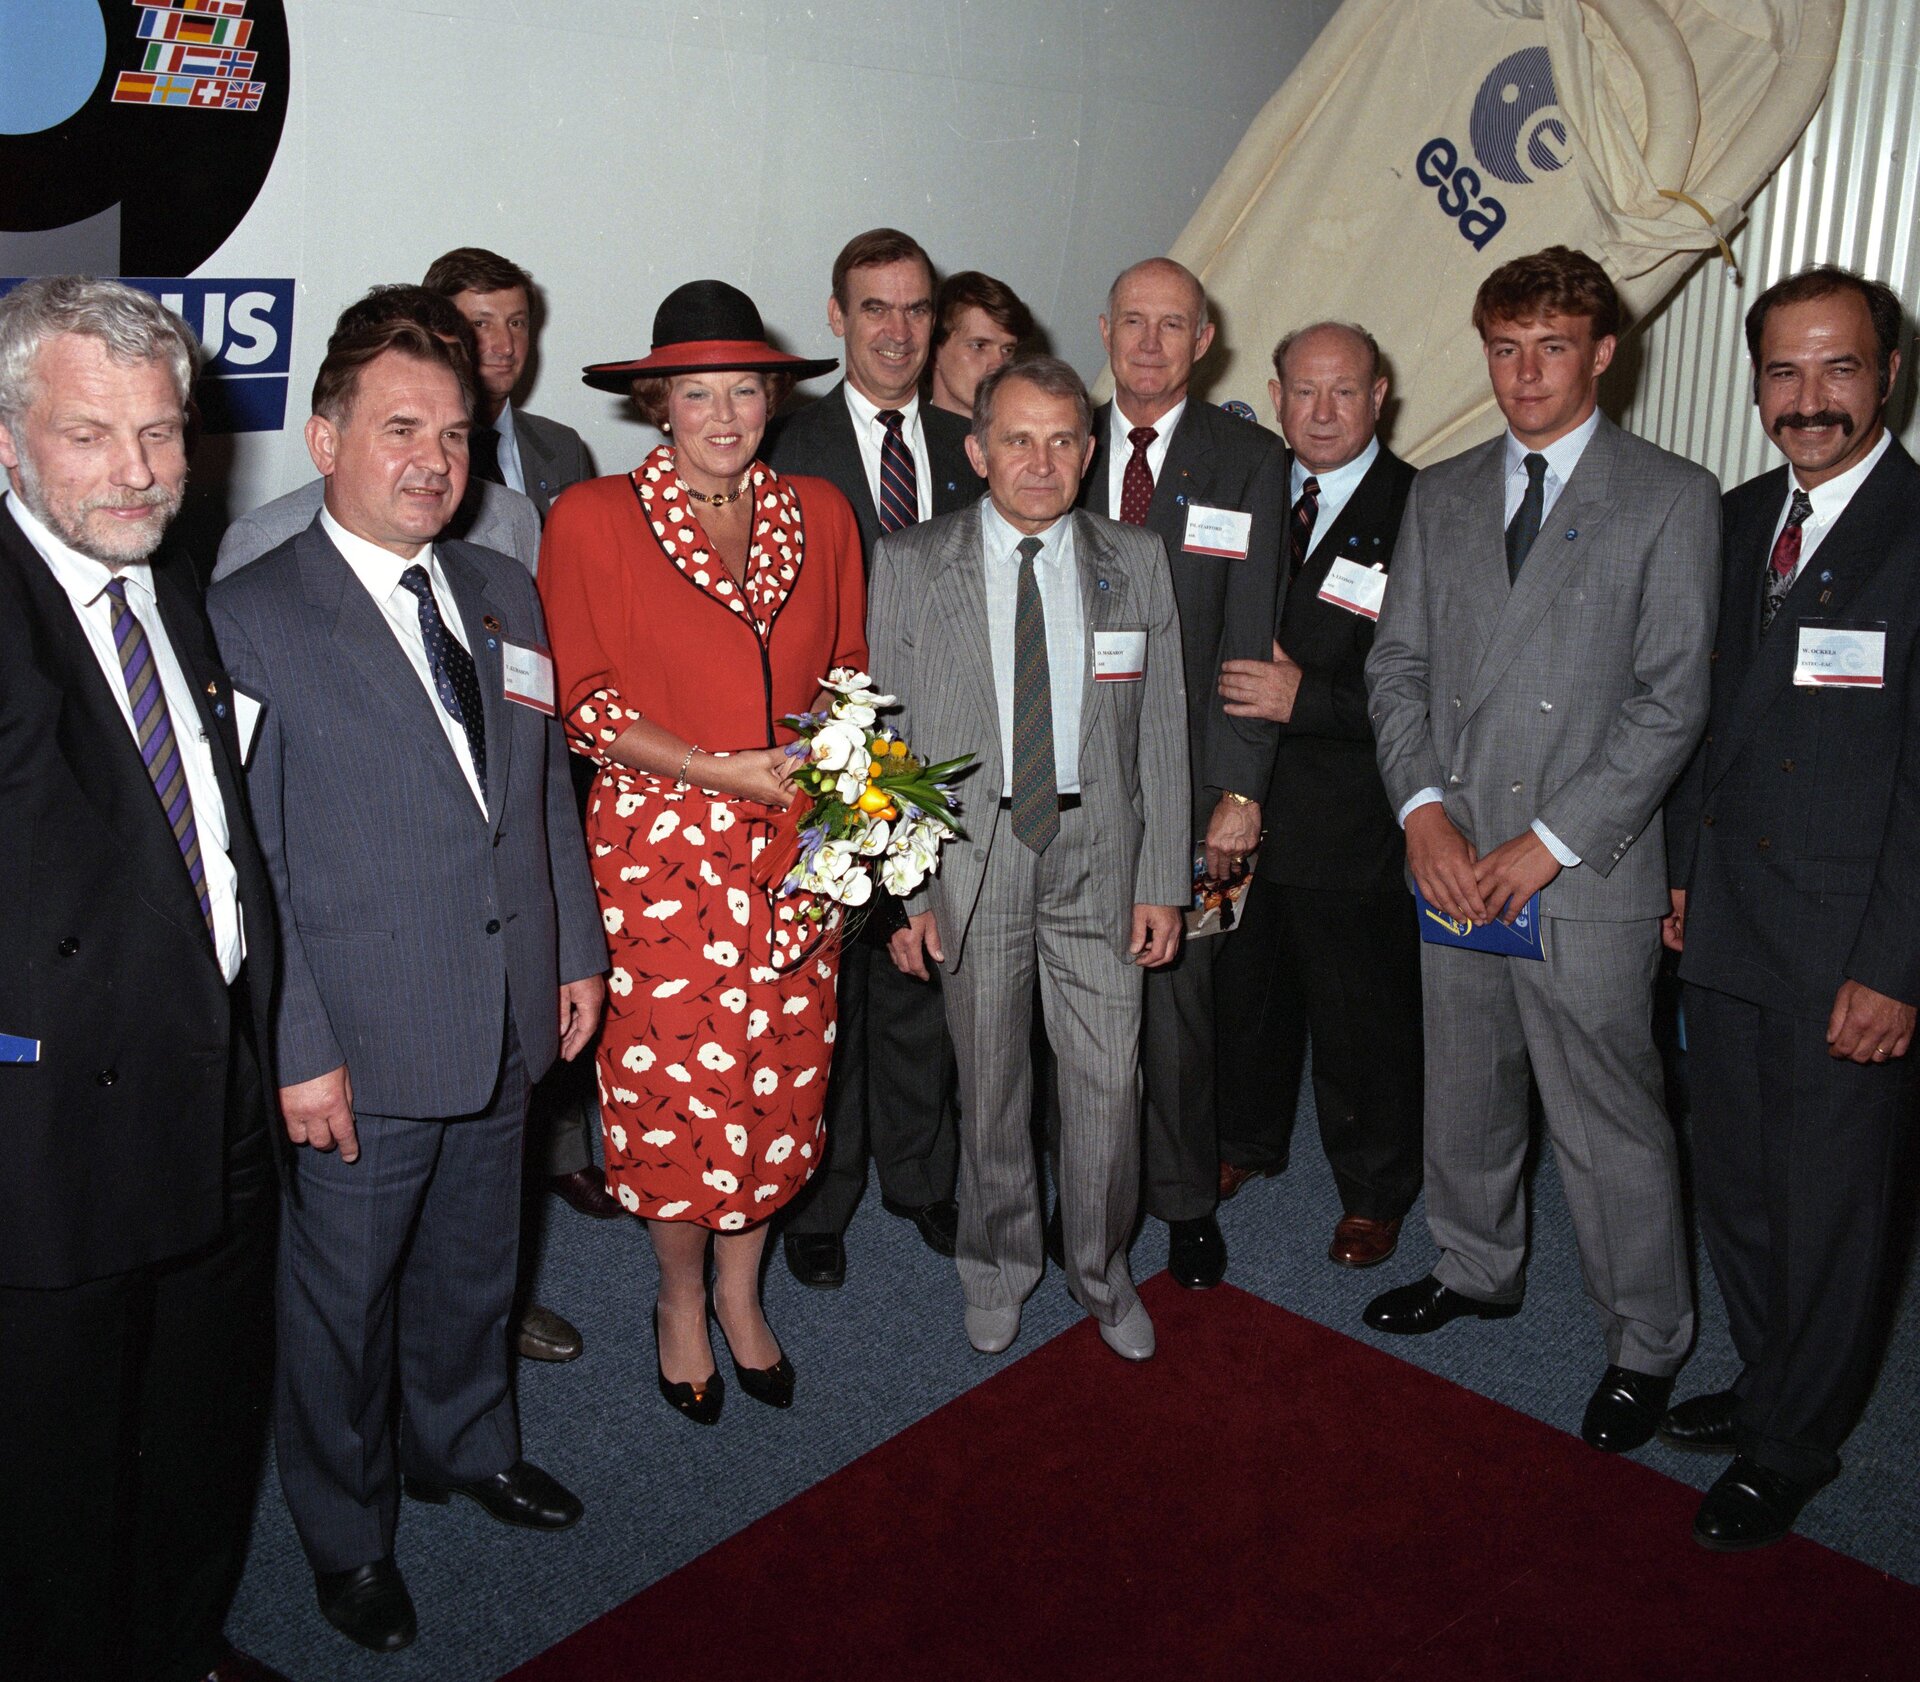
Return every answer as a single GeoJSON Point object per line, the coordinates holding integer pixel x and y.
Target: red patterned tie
{"type": "Point", "coordinates": [1305, 512]}
{"type": "Point", "coordinates": [1785, 558]}
{"type": "Point", "coordinates": [1136, 484]}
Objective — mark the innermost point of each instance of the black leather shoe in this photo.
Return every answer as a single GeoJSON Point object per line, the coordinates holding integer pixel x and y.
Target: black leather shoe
{"type": "Point", "coordinates": [1196, 1253]}
{"type": "Point", "coordinates": [585, 1189]}
{"type": "Point", "coordinates": [1624, 1410]}
{"type": "Point", "coordinates": [1426, 1305]}
{"type": "Point", "coordinates": [939, 1223]}
{"type": "Point", "coordinates": [1056, 1240]}
{"type": "Point", "coordinates": [817, 1259]}
{"type": "Point", "coordinates": [699, 1402]}
{"type": "Point", "coordinates": [1749, 1507]}
{"type": "Point", "coordinates": [244, 1667]}
{"type": "Point", "coordinates": [539, 1334]}
{"type": "Point", "coordinates": [368, 1604]}
{"type": "Point", "coordinates": [522, 1495]}
{"type": "Point", "coordinates": [772, 1385]}
{"type": "Point", "coordinates": [1703, 1424]}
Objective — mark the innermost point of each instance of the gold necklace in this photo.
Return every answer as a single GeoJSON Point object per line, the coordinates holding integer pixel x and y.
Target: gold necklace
{"type": "Point", "coordinates": [709, 500]}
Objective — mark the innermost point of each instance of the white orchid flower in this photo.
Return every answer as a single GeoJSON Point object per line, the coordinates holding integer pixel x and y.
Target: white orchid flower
{"type": "Point", "coordinates": [837, 747]}
{"type": "Point", "coordinates": [872, 841]}
{"type": "Point", "coordinates": [901, 876]}
{"type": "Point", "coordinates": [854, 888]}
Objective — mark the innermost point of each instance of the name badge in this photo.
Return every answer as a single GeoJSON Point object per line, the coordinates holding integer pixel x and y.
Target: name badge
{"type": "Point", "coordinates": [246, 720]}
{"type": "Point", "coordinates": [1358, 589]}
{"type": "Point", "coordinates": [1119, 656]}
{"type": "Point", "coordinates": [527, 676]}
{"type": "Point", "coordinates": [1221, 532]}
{"type": "Point", "coordinates": [16, 1048]}
{"type": "Point", "coordinates": [1834, 656]}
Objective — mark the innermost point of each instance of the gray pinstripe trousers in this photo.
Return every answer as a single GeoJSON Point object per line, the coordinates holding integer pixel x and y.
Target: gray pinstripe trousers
{"type": "Point", "coordinates": [1039, 921]}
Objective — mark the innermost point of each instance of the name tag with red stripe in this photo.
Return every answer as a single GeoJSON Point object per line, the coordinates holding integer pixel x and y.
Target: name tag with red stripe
{"type": "Point", "coordinates": [1119, 656]}
{"type": "Point", "coordinates": [1223, 533]}
{"type": "Point", "coordinates": [527, 676]}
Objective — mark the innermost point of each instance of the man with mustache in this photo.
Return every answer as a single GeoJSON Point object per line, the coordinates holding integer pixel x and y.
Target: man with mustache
{"type": "Point", "coordinates": [1795, 842]}
{"type": "Point", "coordinates": [898, 461]}
{"type": "Point", "coordinates": [440, 944]}
{"type": "Point", "coordinates": [137, 1186]}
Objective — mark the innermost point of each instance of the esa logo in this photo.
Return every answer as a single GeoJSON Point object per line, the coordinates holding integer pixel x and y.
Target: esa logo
{"type": "Point", "coordinates": [1515, 126]}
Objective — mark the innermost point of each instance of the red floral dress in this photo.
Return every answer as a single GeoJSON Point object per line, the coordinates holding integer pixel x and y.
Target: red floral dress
{"type": "Point", "coordinates": [719, 1029]}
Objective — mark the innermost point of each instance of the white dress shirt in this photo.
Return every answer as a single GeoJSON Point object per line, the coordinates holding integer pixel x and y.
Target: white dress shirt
{"type": "Point", "coordinates": [379, 572]}
{"type": "Point", "coordinates": [510, 468]}
{"type": "Point", "coordinates": [85, 581]}
{"type": "Point", "coordinates": [1563, 456]}
{"type": "Point", "coordinates": [1829, 503]}
{"type": "Point", "coordinates": [1058, 576]}
{"type": "Point", "coordinates": [871, 431]}
{"type": "Point", "coordinates": [1336, 489]}
{"type": "Point", "coordinates": [1120, 451]}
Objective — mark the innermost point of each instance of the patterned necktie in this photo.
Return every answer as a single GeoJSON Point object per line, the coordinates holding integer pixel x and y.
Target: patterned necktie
{"type": "Point", "coordinates": [483, 455]}
{"type": "Point", "coordinates": [1136, 484]}
{"type": "Point", "coordinates": [1785, 558]}
{"type": "Point", "coordinates": [454, 679]}
{"type": "Point", "coordinates": [899, 484]}
{"type": "Point", "coordinates": [159, 750]}
{"type": "Point", "coordinates": [1305, 512]}
{"type": "Point", "coordinates": [1526, 519]}
{"type": "Point", "coordinates": [1036, 796]}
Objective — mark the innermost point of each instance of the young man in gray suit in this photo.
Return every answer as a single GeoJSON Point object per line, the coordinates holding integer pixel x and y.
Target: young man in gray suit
{"type": "Point", "coordinates": [1045, 641]}
{"type": "Point", "coordinates": [1214, 488]}
{"type": "Point", "coordinates": [1538, 679]}
{"type": "Point", "coordinates": [526, 452]}
{"type": "Point", "coordinates": [440, 944]}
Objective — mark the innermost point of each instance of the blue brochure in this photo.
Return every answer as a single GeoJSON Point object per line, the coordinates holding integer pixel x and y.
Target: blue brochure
{"type": "Point", "coordinates": [15, 1049]}
{"type": "Point", "coordinates": [1518, 939]}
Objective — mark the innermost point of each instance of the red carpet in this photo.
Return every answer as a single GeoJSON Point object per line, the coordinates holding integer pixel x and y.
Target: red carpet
{"type": "Point", "coordinates": [1308, 1509]}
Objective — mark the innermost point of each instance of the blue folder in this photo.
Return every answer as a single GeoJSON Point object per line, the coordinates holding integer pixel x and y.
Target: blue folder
{"type": "Point", "coordinates": [15, 1048]}
{"type": "Point", "coordinates": [1518, 939]}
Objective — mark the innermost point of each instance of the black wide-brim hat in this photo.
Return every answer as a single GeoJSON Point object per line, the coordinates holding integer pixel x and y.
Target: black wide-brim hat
{"type": "Point", "coordinates": [705, 326]}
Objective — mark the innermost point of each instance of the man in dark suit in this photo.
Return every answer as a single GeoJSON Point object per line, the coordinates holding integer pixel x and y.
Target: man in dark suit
{"type": "Point", "coordinates": [1215, 490]}
{"type": "Point", "coordinates": [440, 945]}
{"type": "Point", "coordinates": [530, 453]}
{"type": "Point", "coordinates": [137, 1189]}
{"type": "Point", "coordinates": [898, 461]}
{"type": "Point", "coordinates": [1795, 856]}
{"type": "Point", "coordinates": [1327, 945]}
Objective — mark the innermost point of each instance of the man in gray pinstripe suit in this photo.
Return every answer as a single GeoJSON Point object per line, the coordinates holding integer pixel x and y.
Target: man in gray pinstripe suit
{"type": "Point", "coordinates": [440, 944]}
{"type": "Point", "coordinates": [1534, 696]}
{"type": "Point", "coordinates": [1045, 641]}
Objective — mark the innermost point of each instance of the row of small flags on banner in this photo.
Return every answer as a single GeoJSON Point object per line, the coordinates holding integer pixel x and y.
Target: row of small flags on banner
{"type": "Point", "coordinates": [195, 55]}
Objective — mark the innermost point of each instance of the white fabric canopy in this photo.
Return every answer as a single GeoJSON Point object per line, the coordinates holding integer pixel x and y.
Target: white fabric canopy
{"type": "Point", "coordinates": [1421, 143]}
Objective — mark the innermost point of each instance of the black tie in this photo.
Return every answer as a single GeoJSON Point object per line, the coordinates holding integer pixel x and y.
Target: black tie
{"type": "Point", "coordinates": [1305, 512]}
{"type": "Point", "coordinates": [483, 454]}
{"type": "Point", "coordinates": [454, 678]}
{"type": "Point", "coordinates": [1526, 521]}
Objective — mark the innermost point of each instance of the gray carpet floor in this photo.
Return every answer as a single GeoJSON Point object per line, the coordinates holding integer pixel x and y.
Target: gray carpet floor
{"type": "Point", "coordinates": [888, 1349]}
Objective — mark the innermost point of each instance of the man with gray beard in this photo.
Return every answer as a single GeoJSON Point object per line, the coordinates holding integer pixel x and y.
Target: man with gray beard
{"type": "Point", "coordinates": [137, 1189]}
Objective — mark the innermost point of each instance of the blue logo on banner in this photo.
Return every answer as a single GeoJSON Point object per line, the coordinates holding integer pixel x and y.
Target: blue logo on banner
{"type": "Point", "coordinates": [1515, 121]}
{"type": "Point", "coordinates": [246, 329]}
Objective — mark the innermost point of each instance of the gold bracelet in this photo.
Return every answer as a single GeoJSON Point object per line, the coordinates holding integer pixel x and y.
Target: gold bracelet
{"type": "Point", "coordinates": [681, 785]}
{"type": "Point", "coordinates": [1237, 799]}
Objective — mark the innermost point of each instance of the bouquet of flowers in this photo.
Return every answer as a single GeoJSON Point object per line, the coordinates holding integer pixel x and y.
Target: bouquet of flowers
{"type": "Point", "coordinates": [870, 808]}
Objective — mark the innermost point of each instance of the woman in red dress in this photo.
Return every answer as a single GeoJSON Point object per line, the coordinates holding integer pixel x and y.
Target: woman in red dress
{"type": "Point", "coordinates": [692, 604]}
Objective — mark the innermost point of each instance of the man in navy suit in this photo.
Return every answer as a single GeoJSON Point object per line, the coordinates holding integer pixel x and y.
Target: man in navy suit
{"type": "Point", "coordinates": [137, 1184]}
{"type": "Point", "coordinates": [898, 461]}
{"type": "Point", "coordinates": [440, 946]}
{"type": "Point", "coordinates": [1794, 844]}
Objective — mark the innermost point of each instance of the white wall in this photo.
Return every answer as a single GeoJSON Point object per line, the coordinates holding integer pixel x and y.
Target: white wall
{"type": "Point", "coordinates": [617, 148]}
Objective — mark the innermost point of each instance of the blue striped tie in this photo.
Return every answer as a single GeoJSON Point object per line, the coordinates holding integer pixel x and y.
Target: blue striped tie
{"type": "Point", "coordinates": [153, 729]}
{"type": "Point", "coordinates": [1036, 795]}
{"type": "Point", "coordinates": [899, 485]}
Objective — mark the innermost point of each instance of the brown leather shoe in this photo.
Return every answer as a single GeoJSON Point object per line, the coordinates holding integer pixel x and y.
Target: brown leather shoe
{"type": "Point", "coordinates": [1359, 1242]}
{"type": "Point", "coordinates": [1233, 1177]}
{"type": "Point", "coordinates": [541, 1335]}
{"type": "Point", "coordinates": [585, 1189]}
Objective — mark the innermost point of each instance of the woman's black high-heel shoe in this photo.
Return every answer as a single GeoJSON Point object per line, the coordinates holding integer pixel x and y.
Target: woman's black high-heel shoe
{"type": "Point", "coordinates": [772, 1385]}
{"type": "Point", "coordinates": [699, 1402]}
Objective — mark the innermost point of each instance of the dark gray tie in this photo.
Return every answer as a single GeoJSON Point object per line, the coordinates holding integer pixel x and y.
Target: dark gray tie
{"type": "Point", "coordinates": [1036, 794]}
{"type": "Point", "coordinates": [455, 679]}
{"type": "Point", "coordinates": [1526, 519]}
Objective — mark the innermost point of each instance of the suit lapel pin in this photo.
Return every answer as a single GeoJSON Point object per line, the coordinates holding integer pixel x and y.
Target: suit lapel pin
{"type": "Point", "coordinates": [220, 709]}
{"type": "Point", "coordinates": [1180, 502]}
{"type": "Point", "coordinates": [1826, 578]}
{"type": "Point", "coordinates": [213, 686]}
{"type": "Point", "coordinates": [491, 623]}
{"type": "Point", "coordinates": [1354, 542]}
{"type": "Point", "coordinates": [1825, 597]}
{"type": "Point", "coordinates": [1103, 584]}
{"type": "Point", "coordinates": [1572, 533]}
